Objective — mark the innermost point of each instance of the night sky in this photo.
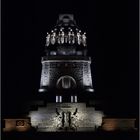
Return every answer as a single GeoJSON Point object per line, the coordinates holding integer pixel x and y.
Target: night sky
{"type": "Point", "coordinates": [112, 31]}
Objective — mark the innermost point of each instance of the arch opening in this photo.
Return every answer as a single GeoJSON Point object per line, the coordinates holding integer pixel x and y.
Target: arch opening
{"type": "Point", "coordinates": [66, 82]}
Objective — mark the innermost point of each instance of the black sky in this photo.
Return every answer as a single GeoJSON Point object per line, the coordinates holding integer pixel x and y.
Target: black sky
{"type": "Point", "coordinates": [112, 30]}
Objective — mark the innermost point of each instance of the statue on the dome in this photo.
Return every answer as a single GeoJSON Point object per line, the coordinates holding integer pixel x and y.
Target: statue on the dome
{"type": "Point", "coordinates": [47, 39]}
{"type": "Point", "coordinates": [79, 37]}
{"type": "Point", "coordinates": [53, 38]}
{"type": "Point", "coordinates": [58, 38]}
{"type": "Point", "coordinates": [66, 38]}
{"type": "Point", "coordinates": [62, 37]}
{"type": "Point", "coordinates": [84, 39]}
{"type": "Point", "coordinates": [73, 38]}
{"type": "Point", "coordinates": [69, 37]}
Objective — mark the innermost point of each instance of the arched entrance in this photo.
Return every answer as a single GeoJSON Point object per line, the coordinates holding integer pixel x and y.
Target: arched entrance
{"type": "Point", "coordinates": [66, 82]}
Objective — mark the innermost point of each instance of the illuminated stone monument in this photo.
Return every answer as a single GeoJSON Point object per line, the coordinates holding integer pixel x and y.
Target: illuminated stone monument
{"type": "Point", "coordinates": [65, 77]}
{"type": "Point", "coordinates": [66, 86]}
{"type": "Point", "coordinates": [66, 66]}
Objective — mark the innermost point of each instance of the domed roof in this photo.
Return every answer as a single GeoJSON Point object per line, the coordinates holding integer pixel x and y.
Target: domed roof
{"type": "Point", "coordinates": [66, 32]}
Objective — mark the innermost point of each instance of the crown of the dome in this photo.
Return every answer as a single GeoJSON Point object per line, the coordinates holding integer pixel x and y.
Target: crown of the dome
{"type": "Point", "coordinates": [66, 32]}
